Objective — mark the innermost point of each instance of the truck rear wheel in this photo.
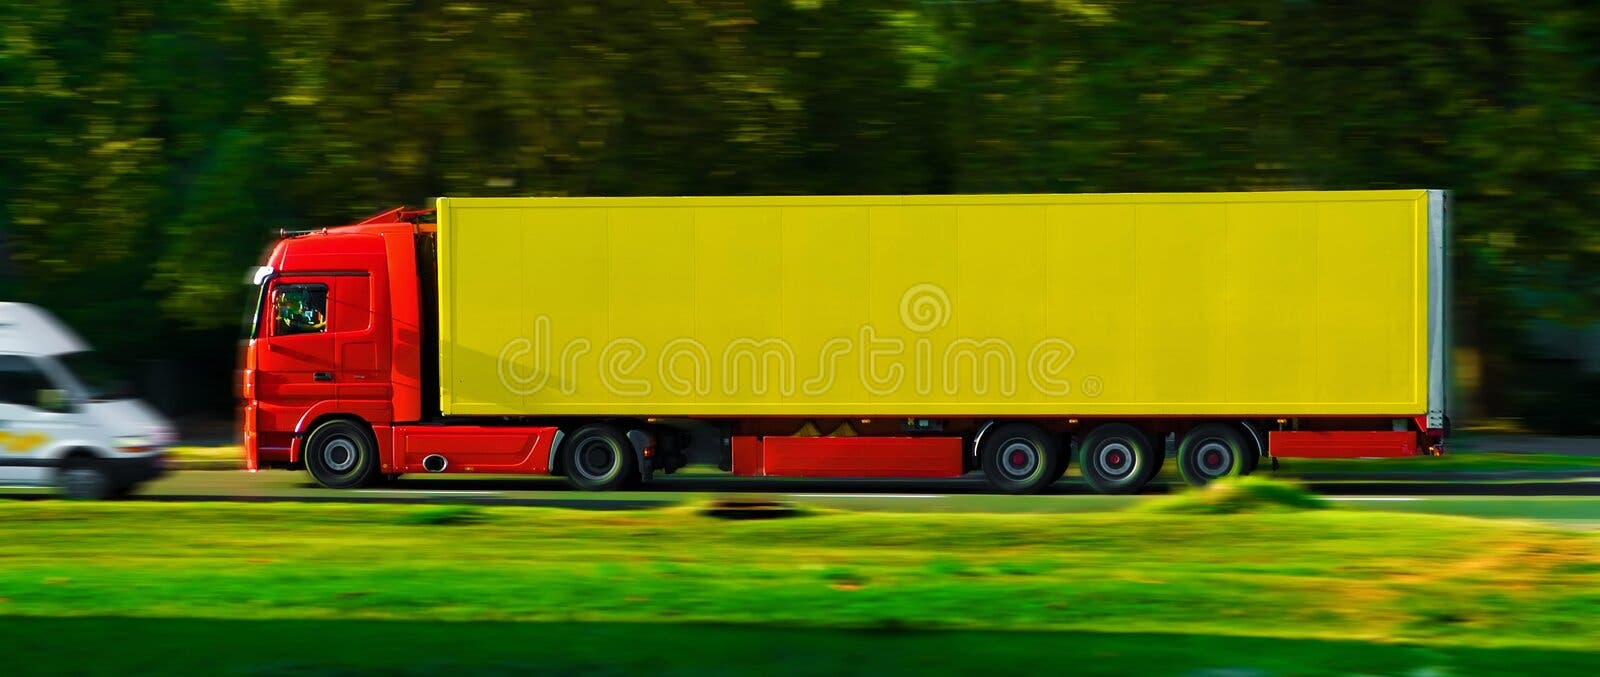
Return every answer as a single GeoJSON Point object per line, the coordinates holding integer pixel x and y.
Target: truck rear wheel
{"type": "Point", "coordinates": [598, 458]}
{"type": "Point", "coordinates": [1117, 458]}
{"type": "Point", "coordinates": [341, 454]}
{"type": "Point", "coordinates": [1021, 458]}
{"type": "Point", "coordinates": [1212, 451]}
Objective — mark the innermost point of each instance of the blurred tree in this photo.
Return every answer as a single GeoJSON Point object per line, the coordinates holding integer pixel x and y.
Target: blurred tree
{"type": "Point", "coordinates": [149, 150]}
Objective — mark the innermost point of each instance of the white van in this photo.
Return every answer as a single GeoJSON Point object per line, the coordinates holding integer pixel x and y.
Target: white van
{"type": "Point", "coordinates": [56, 431]}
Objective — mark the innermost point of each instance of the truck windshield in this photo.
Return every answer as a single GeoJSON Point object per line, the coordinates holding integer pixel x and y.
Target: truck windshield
{"type": "Point", "coordinates": [252, 321]}
{"type": "Point", "coordinates": [257, 278]}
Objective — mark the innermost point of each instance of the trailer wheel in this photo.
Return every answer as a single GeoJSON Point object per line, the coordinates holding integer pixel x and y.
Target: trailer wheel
{"type": "Point", "coordinates": [341, 454]}
{"type": "Point", "coordinates": [1212, 451]}
{"type": "Point", "coordinates": [1021, 458]}
{"type": "Point", "coordinates": [1158, 457]}
{"type": "Point", "coordinates": [1117, 458]}
{"type": "Point", "coordinates": [598, 458]}
{"type": "Point", "coordinates": [1069, 448]}
{"type": "Point", "coordinates": [1255, 448]}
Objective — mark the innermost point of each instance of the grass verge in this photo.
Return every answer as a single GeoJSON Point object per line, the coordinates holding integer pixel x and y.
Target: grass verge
{"type": "Point", "coordinates": [299, 647]}
{"type": "Point", "coordinates": [1464, 463]}
{"type": "Point", "coordinates": [1237, 495]}
{"type": "Point", "coordinates": [1324, 575]}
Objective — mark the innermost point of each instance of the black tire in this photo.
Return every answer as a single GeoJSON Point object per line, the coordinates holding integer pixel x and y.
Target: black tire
{"type": "Point", "coordinates": [1117, 458]}
{"type": "Point", "coordinates": [341, 454]}
{"type": "Point", "coordinates": [84, 479]}
{"type": "Point", "coordinates": [1067, 451]}
{"type": "Point", "coordinates": [1253, 452]}
{"type": "Point", "coordinates": [1158, 457]}
{"type": "Point", "coordinates": [1213, 451]}
{"type": "Point", "coordinates": [598, 458]}
{"type": "Point", "coordinates": [1020, 458]}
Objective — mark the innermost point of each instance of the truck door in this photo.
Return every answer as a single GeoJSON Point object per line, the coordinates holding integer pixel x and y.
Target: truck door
{"type": "Point", "coordinates": [34, 415]}
{"type": "Point", "coordinates": [297, 368]}
{"type": "Point", "coordinates": [363, 365]}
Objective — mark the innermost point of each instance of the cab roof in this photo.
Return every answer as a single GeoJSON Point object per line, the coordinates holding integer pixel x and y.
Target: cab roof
{"type": "Point", "coordinates": [30, 330]}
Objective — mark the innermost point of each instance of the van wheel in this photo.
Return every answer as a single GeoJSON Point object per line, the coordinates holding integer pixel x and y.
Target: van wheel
{"type": "Point", "coordinates": [341, 454]}
{"type": "Point", "coordinates": [82, 479]}
{"type": "Point", "coordinates": [1021, 458]}
{"type": "Point", "coordinates": [1212, 451]}
{"type": "Point", "coordinates": [1117, 458]}
{"type": "Point", "coordinates": [598, 458]}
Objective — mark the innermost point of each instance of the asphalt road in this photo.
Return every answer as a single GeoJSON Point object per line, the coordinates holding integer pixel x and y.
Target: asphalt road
{"type": "Point", "coordinates": [1556, 500]}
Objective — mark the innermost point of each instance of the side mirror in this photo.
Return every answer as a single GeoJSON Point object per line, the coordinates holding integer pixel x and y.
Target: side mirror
{"type": "Point", "coordinates": [54, 400]}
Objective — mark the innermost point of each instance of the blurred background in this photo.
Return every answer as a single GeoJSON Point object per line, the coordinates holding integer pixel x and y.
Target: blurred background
{"type": "Point", "coordinates": [150, 151]}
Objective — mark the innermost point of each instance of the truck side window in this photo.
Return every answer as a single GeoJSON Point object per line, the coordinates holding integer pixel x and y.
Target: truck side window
{"type": "Point", "coordinates": [21, 381]}
{"type": "Point", "coordinates": [299, 309]}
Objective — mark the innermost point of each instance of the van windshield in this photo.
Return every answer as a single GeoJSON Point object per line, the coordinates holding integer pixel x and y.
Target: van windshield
{"type": "Point", "coordinates": [91, 377]}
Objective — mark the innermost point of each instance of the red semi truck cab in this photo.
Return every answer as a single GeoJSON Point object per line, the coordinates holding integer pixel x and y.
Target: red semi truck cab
{"type": "Point", "coordinates": [341, 373]}
{"type": "Point", "coordinates": [337, 332]}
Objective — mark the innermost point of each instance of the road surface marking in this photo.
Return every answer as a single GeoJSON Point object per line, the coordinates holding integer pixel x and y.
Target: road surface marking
{"type": "Point", "coordinates": [1374, 498]}
{"type": "Point", "coordinates": [868, 495]}
{"type": "Point", "coordinates": [446, 492]}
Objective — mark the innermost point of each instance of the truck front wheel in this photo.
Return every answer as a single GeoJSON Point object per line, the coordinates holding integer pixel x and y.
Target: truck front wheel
{"type": "Point", "coordinates": [598, 458]}
{"type": "Point", "coordinates": [1021, 458]}
{"type": "Point", "coordinates": [1117, 458]}
{"type": "Point", "coordinates": [341, 454]}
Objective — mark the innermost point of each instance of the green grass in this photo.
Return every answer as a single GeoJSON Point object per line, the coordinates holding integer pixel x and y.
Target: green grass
{"type": "Point", "coordinates": [1449, 463]}
{"type": "Point", "coordinates": [1232, 496]}
{"type": "Point", "coordinates": [1575, 509]}
{"type": "Point", "coordinates": [1331, 575]}
{"type": "Point", "coordinates": [90, 646]}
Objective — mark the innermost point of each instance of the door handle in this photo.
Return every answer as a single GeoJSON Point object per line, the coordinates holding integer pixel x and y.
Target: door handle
{"type": "Point", "coordinates": [322, 376]}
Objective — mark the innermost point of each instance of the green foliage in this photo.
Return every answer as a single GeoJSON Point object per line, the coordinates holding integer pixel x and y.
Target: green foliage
{"type": "Point", "coordinates": [148, 150]}
{"type": "Point", "coordinates": [445, 515]}
{"type": "Point", "coordinates": [1244, 494]}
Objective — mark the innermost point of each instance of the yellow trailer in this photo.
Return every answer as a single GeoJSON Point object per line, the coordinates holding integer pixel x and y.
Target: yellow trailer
{"type": "Point", "coordinates": [606, 339]}
{"type": "Point", "coordinates": [1239, 304]}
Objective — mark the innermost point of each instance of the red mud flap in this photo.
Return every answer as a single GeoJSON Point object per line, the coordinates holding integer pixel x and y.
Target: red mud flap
{"type": "Point", "coordinates": [1340, 444]}
{"type": "Point", "coordinates": [847, 456]}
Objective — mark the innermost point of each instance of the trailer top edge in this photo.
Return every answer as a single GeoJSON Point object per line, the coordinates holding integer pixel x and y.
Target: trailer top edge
{"type": "Point", "coordinates": [939, 200]}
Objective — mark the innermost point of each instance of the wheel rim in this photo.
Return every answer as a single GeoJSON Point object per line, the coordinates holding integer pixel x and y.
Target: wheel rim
{"type": "Point", "coordinates": [597, 459]}
{"type": "Point", "coordinates": [340, 454]}
{"type": "Point", "coordinates": [1019, 459]}
{"type": "Point", "coordinates": [1116, 459]}
{"type": "Point", "coordinates": [1214, 458]}
{"type": "Point", "coordinates": [81, 481]}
